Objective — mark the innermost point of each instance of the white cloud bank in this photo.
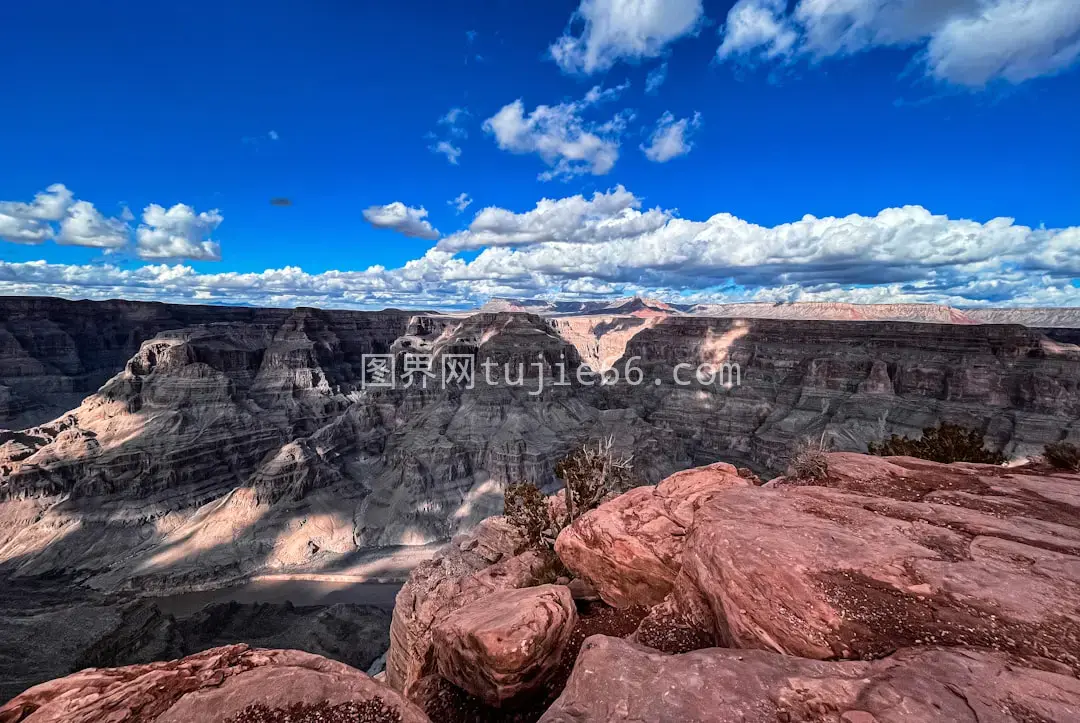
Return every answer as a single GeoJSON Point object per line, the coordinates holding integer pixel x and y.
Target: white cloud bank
{"type": "Point", "coordinates": [964, 42]}
{"type": "Point", "coordinates": [54, 215]}
{"type": "Point", "coordinates": [561, 135]}
{"type": "Point", "coordinates": [578, 246]}
{"type": "Point", "coordinates": [612, 30]}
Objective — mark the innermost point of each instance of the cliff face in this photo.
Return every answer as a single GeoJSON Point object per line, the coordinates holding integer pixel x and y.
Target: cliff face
{"type": "Point", "coordinates": [54, 352]}
{"type": "Point", "coordinates": [247, 443]}
{"type": "Point", "coordinates": [855, 382]}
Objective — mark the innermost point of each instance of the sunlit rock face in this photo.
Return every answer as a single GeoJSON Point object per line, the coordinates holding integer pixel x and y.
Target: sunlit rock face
{"type": "Point", "coordinates": [230, 684]}
{"type": "Point", "coordinates": [246, 440]}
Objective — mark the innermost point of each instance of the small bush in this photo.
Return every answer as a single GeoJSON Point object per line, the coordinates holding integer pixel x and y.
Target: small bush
{"type": "Point", "coordinates": [945, 443]}
{"type": "Point", "coordinates": [1063, 455]}
{"type": "Point", "coordinates": [591, 474]}
{"type": "Point", "coordinates": [526, 508]}
{"type": "Point", "coordinates": [810, 463]}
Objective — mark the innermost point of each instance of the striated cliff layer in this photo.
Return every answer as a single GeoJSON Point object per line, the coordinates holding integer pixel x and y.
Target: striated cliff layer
{"type": "Point", "coordinates": [54, 352]}
{"type": "Point", "coordinates": [849, 383]}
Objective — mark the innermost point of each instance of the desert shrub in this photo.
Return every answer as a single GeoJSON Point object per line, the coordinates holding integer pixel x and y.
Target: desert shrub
{"type": "Point", "coordinates": [945, 443]}
{"type": "Point", "coordinates": [526, 508]}
{"type": "Point", "coordinates": [592, 473]}
{"type": "Point", "coordinates": [809, 463]}
{"type": "Point", "coordinates": [1063, 455]}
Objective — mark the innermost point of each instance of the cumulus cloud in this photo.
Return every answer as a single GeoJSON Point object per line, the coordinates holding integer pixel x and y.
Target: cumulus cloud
{"type": "Point", "coordinates": [462, 202]}
{"type": "Point", "coordinates": [964, 42]}
{"type": "Point", "coordinates": [671, 138]}
{"type": "Point", "coordinates": [404, 219]}
{"type": "Point", "coordinates": [609, 243]}
{"type": "Point", "coordinates": [84, 225]}
{"type": "Point", "coordinates": [568, 143]}
{"type": "Point", "coordinates": [31, 223]}
{"type": "Point", "coordinates": [603, 32]}
{"type": "Point", "coordinates": [578, 220]}
{"type": "Point", "coordinates": [55, 214]}
{"type": "Point", "coordinates": [757, 26]}
{"type": "Point", "coordinates": [178, 233]}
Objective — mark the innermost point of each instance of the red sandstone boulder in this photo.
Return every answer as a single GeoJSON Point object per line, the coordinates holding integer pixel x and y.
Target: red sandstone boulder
{"type": "Point", "coordinates": [894, 553]}
{"type": "Point", "coordinates": [505, 644]}
{"type": "Point", "coordinates": [472, 566]}
{"type": "Point", "coordinates": [629, 548]}
{"type": "Point", "coordinates": [234, 684]}
{"type": "Point", "coordinates": [615, 680]}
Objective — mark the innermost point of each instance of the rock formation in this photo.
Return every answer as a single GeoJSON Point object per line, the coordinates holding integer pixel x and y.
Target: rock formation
{"type": "Point", "coordinates": [233, 684]}
{"type": "Point", "coordinates": [222, 444]}
{"type": "Point", "coordinates": [506, 644]}
{"type": "Point", "coordinates": [946, 591]}
{"type": "Point", "coordinates": [617, 680]}
{"type": "Point", "coordinates": [630, 550]}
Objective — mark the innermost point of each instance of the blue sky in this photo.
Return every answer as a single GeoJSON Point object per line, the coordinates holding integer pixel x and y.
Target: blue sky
{"type": "Point", "coordinates": [172, 127]}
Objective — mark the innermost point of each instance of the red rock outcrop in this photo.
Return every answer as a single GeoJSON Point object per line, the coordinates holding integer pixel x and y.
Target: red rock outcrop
{"type": "Point", "coordinates": [893, 553]}
{"type": "Point", "coordinates": [629, 548]}
{"type": "Point", "coordinates": [506, 644]}
{"type": "Point", "coordinates": [472, 566]}
{"type": "Point", "coordinates": [223, 685]}
{"type": "Point", "coordinates": [617, 680]}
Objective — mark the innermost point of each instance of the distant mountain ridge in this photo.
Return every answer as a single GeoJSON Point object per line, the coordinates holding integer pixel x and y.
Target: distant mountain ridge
{"type": "Point", "coordinates": [1061, 317]}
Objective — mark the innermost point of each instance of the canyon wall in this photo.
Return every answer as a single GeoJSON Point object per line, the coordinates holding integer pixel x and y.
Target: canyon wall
{"type": "Point", "coordinates": [246, 443]}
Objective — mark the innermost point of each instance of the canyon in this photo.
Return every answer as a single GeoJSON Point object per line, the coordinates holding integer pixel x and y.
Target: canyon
{"type": "Point", "coordinates": [151, 449]}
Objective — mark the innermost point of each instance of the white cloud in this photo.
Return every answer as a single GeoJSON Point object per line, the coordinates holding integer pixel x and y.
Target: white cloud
{"type": "Point", "coordinates": [31, 223]}
{"type": "Point", "coordinates": [1013, 40]}
{"type": "Point", "coordinates": [655, 78]}
{"type": "Point", "coordinates": [453, 119]}
{"type": "Point", "coordinates": [274, 135]}
{"type": "Point", "coordinates": [178, 233]}
{"type": "Point", "coordinates": [403, 219]}
{"type": "Point", "coordinates": [462, 202]}
{"type": "Point", "coordinates": [613, 30]}
{"type": "Point", "coordinates": [448, 149]}
{"type": "Point", "coordinates": [575, 219]}
{"type": "Point", "coordinates": [560, 135]}
{"type": "Point", "coordinates": [84, 225]}
{"type": "Point", "coordinates": [671, 138]}
{"type": "Point", "coordinates": [964, 42]}
{"type": "Point", "coordinates": [577, 245]}
{"type": "Point", "coordinates": [757, 25]}
{"type": "Point", "coordinates": [54, 214]}
{"type": "Point", "coordinates": [452, 123]}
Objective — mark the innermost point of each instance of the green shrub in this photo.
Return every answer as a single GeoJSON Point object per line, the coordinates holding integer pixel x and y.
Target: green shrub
{"type": "Point", "coordinates": [590, 475]}
{"type": "Point", "coordinates": [945, 443]}
{"type": "Point", "coordinates": [1063, 455]}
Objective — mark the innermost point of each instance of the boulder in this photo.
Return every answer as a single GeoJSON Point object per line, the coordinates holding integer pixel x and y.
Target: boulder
{"type": "Point", "coordinates": [615, 680]}
{"type": "Point", "coordinates": [506, 644]}
{"type": "Point", "coordinates": [894, 553]}
{"type": "Point", "coordinates": [472, 566]}
{"type": "Point", "coordinates": [629, 547]}
{"type": "Point", "coordinates": [233, 684]}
